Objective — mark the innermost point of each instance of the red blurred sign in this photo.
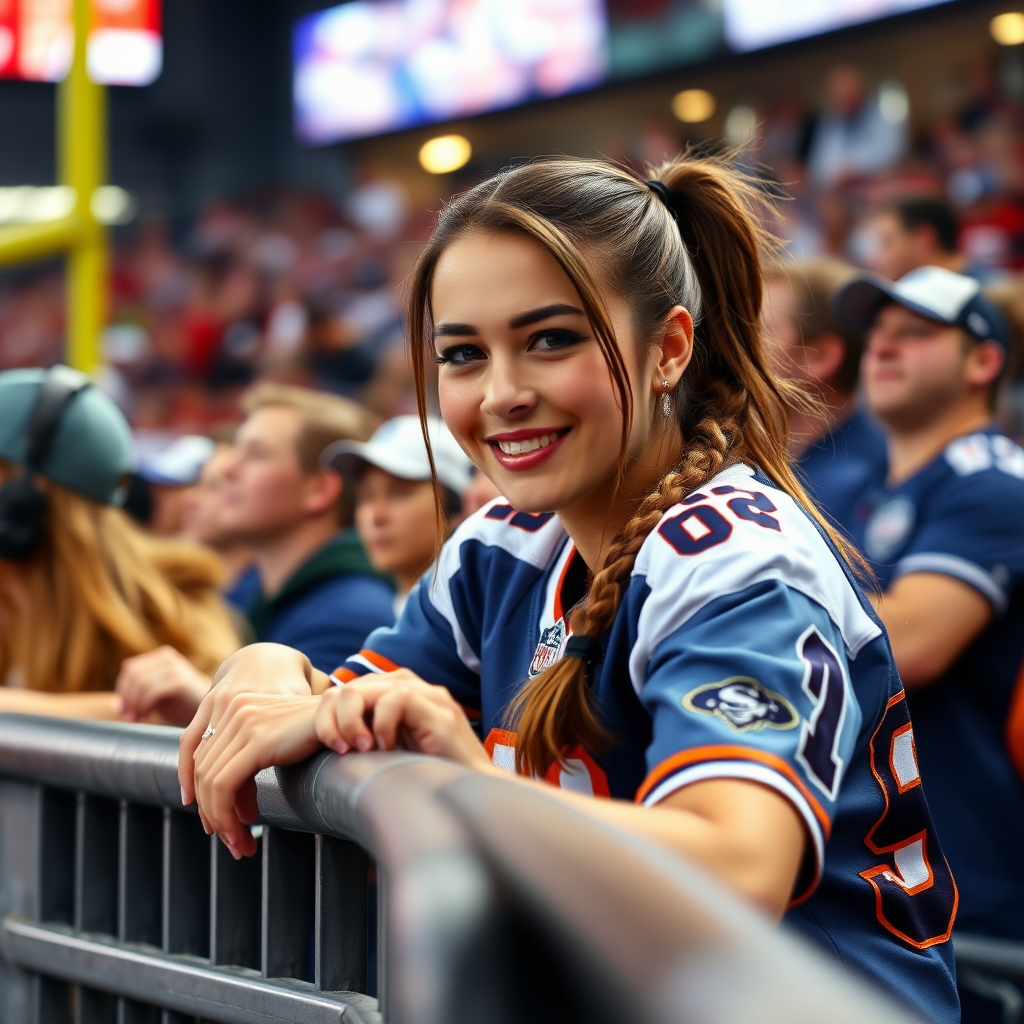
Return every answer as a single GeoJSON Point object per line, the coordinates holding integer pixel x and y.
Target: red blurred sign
{"type": "Point", "coordinates": [125, 44]}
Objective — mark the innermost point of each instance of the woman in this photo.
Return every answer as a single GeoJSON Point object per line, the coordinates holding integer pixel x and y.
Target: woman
{"type": "Point", "coordinates": [89, 588]}
{"type": "Point", "coordinates": [395, 513]}
{"type": "Point", "coordinates": [694, 640]}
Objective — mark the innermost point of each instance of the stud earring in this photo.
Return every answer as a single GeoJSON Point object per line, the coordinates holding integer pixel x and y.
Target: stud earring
{"type": "Point", "coordinates": [666, 402]}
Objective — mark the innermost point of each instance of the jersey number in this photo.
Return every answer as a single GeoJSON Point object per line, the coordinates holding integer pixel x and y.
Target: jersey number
{"type": "Point", "coordinates": [915, 894]}
{"type": "Point", "coordinates": [702, 526]}
{"type": "Point", "coordinates": [825, 683]}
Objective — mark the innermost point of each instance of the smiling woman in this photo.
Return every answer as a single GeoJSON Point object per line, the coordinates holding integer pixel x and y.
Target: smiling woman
{"type": "Point", "coordinates": [653, 612]}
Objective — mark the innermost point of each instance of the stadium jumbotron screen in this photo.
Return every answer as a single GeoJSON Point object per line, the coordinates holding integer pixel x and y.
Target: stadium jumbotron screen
{"type": "Point", "coordinates": [374, 66]}
{"type": "Point", "coordinates": [753, 24]}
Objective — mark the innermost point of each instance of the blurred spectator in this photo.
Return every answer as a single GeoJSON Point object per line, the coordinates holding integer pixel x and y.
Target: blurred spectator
{"type": "Point", "coordinates": [318, 593]}
{"type": "Point", "coordinates": [860, 134]}
{"type": "Point", "coordinates": [918, 231]}
{"type": "Point", "coordinates": [171, 474]}
{"type": "Point", "coordinates": [838, 448]}
{"type": "Point", "coordinates": [396, 516]}
{"type": "Point", "coordinates": [946, 539]}
{"type": "Point", "coordinates": [81, 586]}
{"type": "Point", "coordinates": [202, 521]}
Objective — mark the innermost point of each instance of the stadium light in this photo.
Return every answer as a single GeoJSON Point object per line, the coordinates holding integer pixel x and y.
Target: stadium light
{"type": "Point", "coordinates": [1008, 29]}
{"type": "Point", "coordinates": [444, 154]}
{"type": "Point", "coordinates": [691, 106]}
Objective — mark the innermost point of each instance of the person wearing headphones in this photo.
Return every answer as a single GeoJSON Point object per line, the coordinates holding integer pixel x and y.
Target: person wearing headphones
{"type": "Point", "coordinates": [82, 587]}
{"type": "Point", "coordinates": [396, 510]}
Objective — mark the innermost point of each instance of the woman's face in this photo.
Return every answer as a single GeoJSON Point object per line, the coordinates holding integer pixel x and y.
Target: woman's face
{"type": "Point", "coordinates": [522, 382]}
{"type": "Point", "coordinates": [395, 519]}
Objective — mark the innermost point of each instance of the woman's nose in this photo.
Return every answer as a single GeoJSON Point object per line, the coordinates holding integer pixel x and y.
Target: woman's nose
{"type": "Point", "coordinates": [508, 394]}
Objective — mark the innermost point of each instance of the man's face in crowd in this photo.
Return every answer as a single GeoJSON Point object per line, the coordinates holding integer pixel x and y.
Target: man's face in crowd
{"type": "Point", "coordinates": [265, 489]}
{"type": "Point", "coordinates": [898, 251]}
{"type": "Point", "coordinates": [914, 369]}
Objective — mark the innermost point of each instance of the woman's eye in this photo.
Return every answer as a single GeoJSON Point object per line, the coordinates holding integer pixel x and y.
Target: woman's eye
{"type": "Point", "coordinates": [460, 355]}
{"type": "Point", "coordinates": [554, 340]}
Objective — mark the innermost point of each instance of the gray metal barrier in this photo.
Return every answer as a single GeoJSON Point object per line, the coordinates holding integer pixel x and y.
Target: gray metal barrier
{"type": "Point", "coordinates": [495, 903]}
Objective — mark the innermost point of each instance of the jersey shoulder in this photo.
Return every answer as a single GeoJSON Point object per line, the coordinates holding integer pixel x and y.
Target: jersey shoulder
{"type": "Point", "coordinates": [735, 532]}
{"type": "Point", "coordinates": [534, 538]}
{"type": "Point", "coordinates": [985, 459]}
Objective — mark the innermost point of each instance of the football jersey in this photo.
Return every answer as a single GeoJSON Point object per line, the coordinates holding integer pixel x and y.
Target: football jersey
{"type": "Point", "coordinates": [961, 516]}
{"type": "Point", "coordinates": [742, 649]}
{"type": "Point", "coordinates": [839, 467]}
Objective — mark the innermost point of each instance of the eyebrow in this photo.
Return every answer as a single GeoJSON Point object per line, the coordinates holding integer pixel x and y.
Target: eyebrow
{"type": "Point", "coordinates": [522, 320]}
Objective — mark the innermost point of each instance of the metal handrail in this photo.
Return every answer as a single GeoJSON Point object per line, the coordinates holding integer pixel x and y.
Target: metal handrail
{"type": "Point", "coordinates": [499, 903]}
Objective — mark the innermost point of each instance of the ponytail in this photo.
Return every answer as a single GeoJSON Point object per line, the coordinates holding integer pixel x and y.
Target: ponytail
{"type": "Point", "coordinates": [694, 242]}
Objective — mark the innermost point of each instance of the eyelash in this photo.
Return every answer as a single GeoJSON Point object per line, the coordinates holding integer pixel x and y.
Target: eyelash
{"type": "Point", "coordinates": [569, 338]}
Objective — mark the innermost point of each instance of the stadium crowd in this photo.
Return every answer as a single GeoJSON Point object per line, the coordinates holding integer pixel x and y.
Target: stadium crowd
{"type": "Point", "coordinates": [257, 418]}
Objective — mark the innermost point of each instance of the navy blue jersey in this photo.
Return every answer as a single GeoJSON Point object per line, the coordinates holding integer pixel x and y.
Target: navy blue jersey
{"type": "Point", "coordinates": [742, 649]}
{"type": "Point", "coordinates": [839, 467]}
{"type": "Point", "coordinates": [963, 516]}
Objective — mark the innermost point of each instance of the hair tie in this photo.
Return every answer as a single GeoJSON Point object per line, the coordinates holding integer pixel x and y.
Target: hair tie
{"type": "Point", "coordinates": [587, 648]}
{"type": "Point", "coordinates": [660, 189]}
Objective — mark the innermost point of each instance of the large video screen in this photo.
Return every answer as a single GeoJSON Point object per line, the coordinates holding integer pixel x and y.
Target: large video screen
{"type": "Point", "coordinates": [752, 24]}
{"type": "Point", "coordinates": [373, 66]}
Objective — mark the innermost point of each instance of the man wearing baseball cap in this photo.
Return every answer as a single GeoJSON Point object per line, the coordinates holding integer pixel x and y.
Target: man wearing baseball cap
{"type": "Point", "coordinates": [945, 536]}
{"type": "Point", "coordinates": [395, 511]}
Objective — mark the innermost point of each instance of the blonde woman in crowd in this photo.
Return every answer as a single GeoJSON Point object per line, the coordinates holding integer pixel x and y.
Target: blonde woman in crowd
{"type": "Point", "coordinates": [81, 586]}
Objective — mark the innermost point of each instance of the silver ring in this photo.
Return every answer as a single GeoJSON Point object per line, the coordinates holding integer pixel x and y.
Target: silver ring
{"type": "Point", "coordinates": [209, 732]}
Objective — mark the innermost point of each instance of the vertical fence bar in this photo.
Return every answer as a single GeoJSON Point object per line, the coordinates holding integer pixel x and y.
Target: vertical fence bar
{"type": "Point", "coordinates": [96, 877]}
{"type": "Point", "coordinates": [235, 907]}
{"type": "Point", "coordinates": [288, 898]}
{"type": "Point", "coordinates": [57, 860]}
{"type": "Point", "coordinates": [341, 933]}
{"type": "Point", "coordinates": [139, 890]}
{"type": "Point", "coordinates": [186, 885]}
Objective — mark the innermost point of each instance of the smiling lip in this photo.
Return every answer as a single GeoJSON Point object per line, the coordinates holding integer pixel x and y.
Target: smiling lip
{"type": "Point", "coordinates": [525, 449]}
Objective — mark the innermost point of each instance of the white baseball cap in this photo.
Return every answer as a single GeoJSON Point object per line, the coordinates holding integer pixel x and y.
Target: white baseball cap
{"type": "Point", "coordinates": [397, 447]}
{"type": "Point", "coordinates": [180, 463]}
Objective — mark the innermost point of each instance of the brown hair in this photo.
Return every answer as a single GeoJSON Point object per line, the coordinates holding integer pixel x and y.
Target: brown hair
{"type": "Point", "coordinates": [325, 419]}
{"type": "Point", "coordinates": [814, 283]}
{"type": "Point", "coordinates": [702, 249]}
{"type": "Point", "coordinates": [98, 589]}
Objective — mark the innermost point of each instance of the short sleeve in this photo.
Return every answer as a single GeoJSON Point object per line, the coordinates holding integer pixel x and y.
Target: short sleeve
{"type": "Point", "coordinates": [426, 641]}
{"type": "Point", "coordinates": [755, 686]}
{"type": "Point", "coordinates": [973, 530]}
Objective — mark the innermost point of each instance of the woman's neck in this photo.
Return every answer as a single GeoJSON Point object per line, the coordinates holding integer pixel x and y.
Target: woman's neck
{"type": "Point", "coordinates": [596, 519]}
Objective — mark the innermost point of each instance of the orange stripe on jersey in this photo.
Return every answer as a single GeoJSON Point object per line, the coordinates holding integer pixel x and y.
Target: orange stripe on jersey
{"type": "Point", "coordinates": [384, 664]}
{"type": "Point", "coordinates": [344, 675]}
{"type": "Point", "coordinates": [725, 752]}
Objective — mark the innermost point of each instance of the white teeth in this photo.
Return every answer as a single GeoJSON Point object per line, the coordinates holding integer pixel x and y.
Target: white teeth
{"type": "Point", "coordinates": [530, 445]}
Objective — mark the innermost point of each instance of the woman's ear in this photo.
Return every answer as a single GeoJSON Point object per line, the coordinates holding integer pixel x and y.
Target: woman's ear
{"type": "Point", "coordinates": [675, 346]}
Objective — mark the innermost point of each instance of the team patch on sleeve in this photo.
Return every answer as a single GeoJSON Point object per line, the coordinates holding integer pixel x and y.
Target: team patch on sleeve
{"type": "Point", "coordinates": [743, 704]}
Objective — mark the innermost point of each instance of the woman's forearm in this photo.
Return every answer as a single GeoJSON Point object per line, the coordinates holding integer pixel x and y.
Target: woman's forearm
{"type": "Point", "coordinates": [746, 835]}
{"type": "Point", "coordinates": [92, 705]}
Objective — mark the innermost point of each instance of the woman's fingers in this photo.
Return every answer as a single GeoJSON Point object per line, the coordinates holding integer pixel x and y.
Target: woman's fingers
{"type": "Point", "coordinates": [255, 734]}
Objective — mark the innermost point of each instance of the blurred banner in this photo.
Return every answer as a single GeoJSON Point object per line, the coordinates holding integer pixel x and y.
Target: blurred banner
{"type": "Point", "coordinates": [125, 44]}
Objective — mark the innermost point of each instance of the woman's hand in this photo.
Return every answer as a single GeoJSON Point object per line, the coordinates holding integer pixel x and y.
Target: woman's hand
{"type": "Point", "coordinates": [256, 731]}
{"type": "Point", "coordinates": [257, 669]}
{"type": "Point", "coordinates": [398, 710]}
{"type": "Point", "coordinates": [162, 682]}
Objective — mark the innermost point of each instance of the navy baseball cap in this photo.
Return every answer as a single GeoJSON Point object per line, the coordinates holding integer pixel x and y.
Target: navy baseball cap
{"type": "Point", "coordinates": [932, 292]}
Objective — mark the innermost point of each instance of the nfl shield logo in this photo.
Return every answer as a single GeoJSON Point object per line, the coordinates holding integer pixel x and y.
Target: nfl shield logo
{"type": "Point", "coordinates": [550, 646]}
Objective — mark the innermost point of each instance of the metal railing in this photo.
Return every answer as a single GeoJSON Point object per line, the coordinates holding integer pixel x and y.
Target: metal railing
{"type": "Point", "coordinates": [471, 899]}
